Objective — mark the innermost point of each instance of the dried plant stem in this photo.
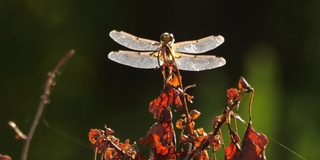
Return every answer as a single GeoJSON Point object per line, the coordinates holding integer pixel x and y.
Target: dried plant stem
{"type": "Point", "coordinates": [43, 101]}
{"type": "Point", "coordinates": [20, 134]}
{"type": "Point", "coordinates": [250, 105]}
{"type": "Point", "coordinates": [184, 99]}
{"type": "Point", "coordinates": [227, 111]}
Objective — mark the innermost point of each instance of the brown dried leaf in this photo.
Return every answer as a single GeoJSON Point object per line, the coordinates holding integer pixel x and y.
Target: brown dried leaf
{"type": "Point", "coordinates": [194, 114]}
{"type": "Point", "coordinates": [108, 130]}
{"type": "Point", "coordinates": [97, 139]}
{"type": "Point", "coordinates": [168, 97]}
{"type": "Point", "coordinates": [215, 141]}
{"type": "Point", "coordinates": [201, 131]}
{"type": "Point", "coordinates": [161, 137]}
{"type": "Point", "coordinates": [254, 144]}
{"type": "Point", "coordinates": [232, 95]}
{"type": "Point", "coordinates": [5, 157]}
{"type": "Point", "coordinates": [233, 149]}
{"type": "Point", "coordinates": [174, 81]}
{"type": "Point", "coordinates": [94, 134]}
{"type": "Point", "coordinates": [189, 98]}
{"type": "Point", "coordinates": [198, 140]}
{"type": "Point", "coordinates": [243, 85]}
{"type": "Point", "coordinates": [169, 72]}
{"type": "Point", "coordinates": [109, 153]}
{"type": "Point", "coordinates": [216, 121]}
{"type": "Point", "coordinates": [179, 124]}
{"type": "Point", "coordinates": [125, 146]}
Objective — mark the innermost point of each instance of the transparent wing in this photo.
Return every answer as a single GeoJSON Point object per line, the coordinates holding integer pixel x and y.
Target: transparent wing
{"type": "Point", "coordinates": [135, 59]}
{"type": "Point", "coordinates": [200, 45]}
{"type": "Point", "coordinates": [133, 42]}
{"type": "Point", "coordinates": [198, 62]}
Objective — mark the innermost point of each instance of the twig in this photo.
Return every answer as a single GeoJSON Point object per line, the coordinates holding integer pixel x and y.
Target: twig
{"type": "Point", "coordinates": [188, 152]}
{"type": "Point", "coordinates": [43, 102]}
{"type": "Point", "coordinates": [19, 133]}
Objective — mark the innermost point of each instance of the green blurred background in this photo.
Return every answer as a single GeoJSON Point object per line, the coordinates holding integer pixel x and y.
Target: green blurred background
{"type": "Point", "coordinates": [275, 45]}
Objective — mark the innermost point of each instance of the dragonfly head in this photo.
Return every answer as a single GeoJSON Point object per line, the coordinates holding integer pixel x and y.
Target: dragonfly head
{"type": "Point", "coordinates": [167, 38]}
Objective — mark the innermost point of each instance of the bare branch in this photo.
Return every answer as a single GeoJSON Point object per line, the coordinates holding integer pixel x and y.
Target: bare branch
{"type": "Point", "coordinates": [43, 101]}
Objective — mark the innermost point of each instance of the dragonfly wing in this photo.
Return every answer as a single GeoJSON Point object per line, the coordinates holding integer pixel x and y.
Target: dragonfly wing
{"type": "Point", "coordinates": [133, 42]}
{"type": "Point", "coordinates": [198, 62]}
{"type": "Point", "coordinates": [143, 60]}
{"type": "Point", "coordinates": [200, 45]}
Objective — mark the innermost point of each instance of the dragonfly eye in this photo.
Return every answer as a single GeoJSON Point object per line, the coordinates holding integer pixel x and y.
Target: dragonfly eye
{"type": "Point", "coordinates": [167, 38]}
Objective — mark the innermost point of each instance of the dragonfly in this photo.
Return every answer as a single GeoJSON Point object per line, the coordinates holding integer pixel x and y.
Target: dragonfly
{"type": "Point", "coordinates": [150, 54]}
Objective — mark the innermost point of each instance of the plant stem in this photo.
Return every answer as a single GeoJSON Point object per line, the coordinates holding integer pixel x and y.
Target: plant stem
{"type": "Point", "coordinates": [43, 101]}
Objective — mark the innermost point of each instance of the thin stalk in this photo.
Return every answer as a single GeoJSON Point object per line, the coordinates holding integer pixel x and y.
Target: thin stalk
{"type": "Point", "coordinates": [43, 101]}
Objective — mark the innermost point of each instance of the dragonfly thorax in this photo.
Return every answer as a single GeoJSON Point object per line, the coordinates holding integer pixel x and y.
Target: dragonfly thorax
{"type": "Point", "coordinates": [167, 38]}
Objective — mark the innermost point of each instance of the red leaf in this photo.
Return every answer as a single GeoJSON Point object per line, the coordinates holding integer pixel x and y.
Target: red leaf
{"type": "Point", "coordinates": [232, 95]}
{"type": "Point", "coordinates": [194, 114]}
{"type": "Point", "coordinates": [5, 157]}
{"type": "Point", "coordinates": [243, 85]}
{"type": "Point", "coordinates": [215, 141]}
{"type": "Point", "coordinates": [161, 137]}
{"type": "Point", "coordinates": [168, 97]}
{"type": "Point", "coordinates": [254, 144]}
{"type": "Point", "coordinates": [233, 150]}
{"type": "Point", "coordinates": [179, 124]}
{"type": "Point", "coordinates": [169, 72]}
{"type": "Point", "coordinates": [97, 139]}
{"type": "Point", "coordinates": [94, 134]}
